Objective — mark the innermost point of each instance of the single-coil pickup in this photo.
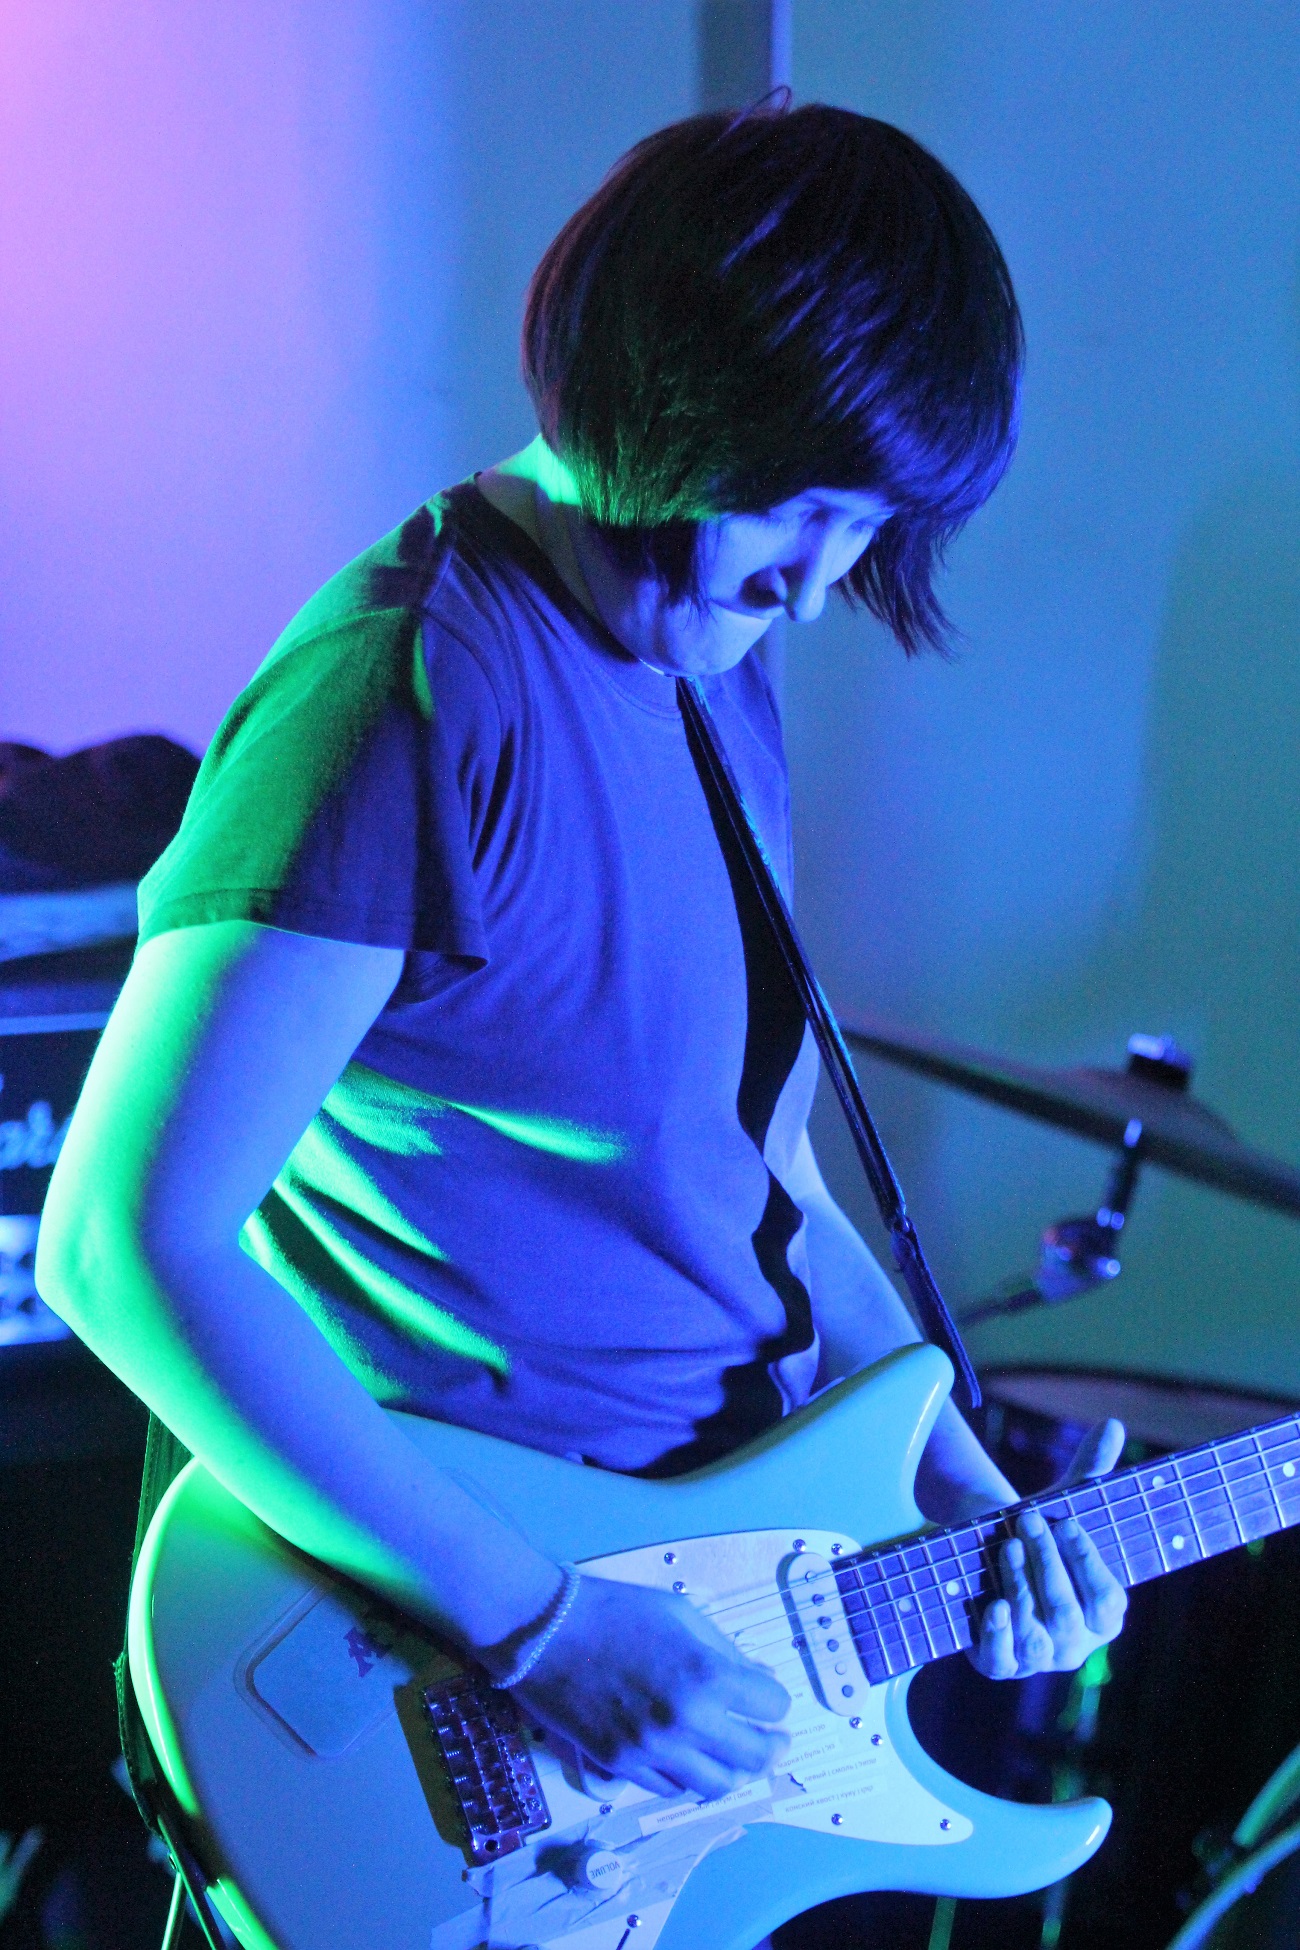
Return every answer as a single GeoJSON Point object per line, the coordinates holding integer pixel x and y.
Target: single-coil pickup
{"type": "Point", "coordinates": [821, 1633]}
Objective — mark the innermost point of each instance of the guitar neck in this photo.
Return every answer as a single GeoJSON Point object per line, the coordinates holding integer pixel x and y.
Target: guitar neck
{"type": "Point", "coordinates": [913, 1602]}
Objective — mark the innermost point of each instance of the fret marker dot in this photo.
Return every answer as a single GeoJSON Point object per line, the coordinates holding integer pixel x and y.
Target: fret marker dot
{"type": "Point", "coordinates": [905, 1604]}
{"type": "Point", "coordinates": [1157, 1482]}
{"type": "Point", "coordinates": [952, 1587]}
{"type": "Point", "coordinates": [1288, 1469]}
{"type": "Point", "coordinates": [1178, 1541]}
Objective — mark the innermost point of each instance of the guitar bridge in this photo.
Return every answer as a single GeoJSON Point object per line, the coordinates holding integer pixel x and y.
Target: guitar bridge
{"type": "Point", "coordinates": [488, 1765]}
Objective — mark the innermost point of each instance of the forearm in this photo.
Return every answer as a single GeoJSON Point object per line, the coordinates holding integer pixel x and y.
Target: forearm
{"type": "Point", "coordinates": [233, 1365]}
{"type": "Point", "coordinates": [225, 1040]}
{"type": "Point", "coordinates": [858, 1314]}
{"type": "Point", "coordinates": [860, 1318]}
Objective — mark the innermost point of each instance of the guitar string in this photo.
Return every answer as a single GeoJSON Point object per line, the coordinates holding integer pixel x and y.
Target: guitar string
{"type": "Point", "coordinates": [970, 1562]}
{"type": "Point", "coordinates": [879, 1615]}
{"type": "Point", "coordinates": [879, 1631]}
{"type": "Point", "coordinates": [879, 1623]}
{"type": "Point", "coordinates": [1112, 1496]}
{"type": "Point", "coordinates": [883, 1618]}
{"type": "Point", "coordinates": [896, 1659]}
{"type": "Point", "coordinates": [1105, 1518]}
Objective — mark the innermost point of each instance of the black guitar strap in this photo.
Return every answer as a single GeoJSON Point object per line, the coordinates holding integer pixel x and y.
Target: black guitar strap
{"type": "Point", "coordinates": [936, 1321]}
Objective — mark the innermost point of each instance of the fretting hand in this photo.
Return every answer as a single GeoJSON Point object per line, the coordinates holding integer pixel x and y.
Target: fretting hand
{"type": "Point", "coordinates": [1060, 1600]}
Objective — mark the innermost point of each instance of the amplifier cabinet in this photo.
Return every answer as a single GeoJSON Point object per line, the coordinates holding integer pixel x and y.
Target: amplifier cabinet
{"type": "Point", "coordinates": [48, 1032]}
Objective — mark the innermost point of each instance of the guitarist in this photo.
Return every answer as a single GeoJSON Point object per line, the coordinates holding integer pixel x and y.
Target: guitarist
{"type": "Point", "coordinates": [451, 984]}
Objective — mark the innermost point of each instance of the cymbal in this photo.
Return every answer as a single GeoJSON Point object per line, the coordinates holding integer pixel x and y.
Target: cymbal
{"type": "Point", "coordinates": [1178, 1132]}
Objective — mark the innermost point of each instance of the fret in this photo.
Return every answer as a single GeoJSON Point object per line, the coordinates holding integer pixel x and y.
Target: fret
{"type": "Point", "coordinates": [1280, 1523]}
{"type": "Point", "coordinates": [869, 1608]}
{"type": "Point", "coordinates": [1172, 1517]}
{"type": "Point", "coordinates": [898, 1609]}
{"type": "Point", "coordinates": [1151, 1524]}
{"type": "Point", "coordinates": [1255, 1513]}
{"type": "Point", "coordinates": [924, 1586]}
{"type": "Point", "coordinates": [1209, 1502]}
{"type": "Point", "coordinates": [911, 1603]}
{"type": "Point", "coordinates": [874, 1662]}
{"type": "Point", "coordinates": [900, 1645]}
{"type": "Point", "coordinates": [1280, 1437]}
{"type": "Point", "coordinates": [937, 1613]}
{"type": "Point", "coordinates": [955, 1585]}
{"type": "Point", "coordinates": [903, 1592]}
{"type": "Point", "coordinates": [1282, 1459]}
{"type": "Point", "coordinates": [894, 1646]}
{"type": "Point", "coordinates": [1241, 1535]}
{"type": "Point", "coordinates": [1280, 1450]}
{"type": "Point", "coordinates": [916, 1598]}
{"type": "Point", "coordinates": [869, 1645]}
{"type": "Point", "coordinates": [906, 1607]}
{"type": "Point", "coordinates": [1123, 1569]}
{"type": "Point", "coordinates": [1191, 1512]}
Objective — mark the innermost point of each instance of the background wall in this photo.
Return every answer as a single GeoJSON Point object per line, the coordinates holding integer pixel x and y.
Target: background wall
{"type": "Point", "coordinates": [263, 274]}
{"type": "Point", "coordinates": [264, 267]}
{"type": "Point", "coordinates": [1088, 824]}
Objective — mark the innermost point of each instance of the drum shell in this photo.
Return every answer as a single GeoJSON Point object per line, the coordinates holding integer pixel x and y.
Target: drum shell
{"type": "Point", "coordinates": [1202, 1701]}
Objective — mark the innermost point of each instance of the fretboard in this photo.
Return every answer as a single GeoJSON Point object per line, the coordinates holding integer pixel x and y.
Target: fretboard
{"type": "Point", "coordinates": [910, 1603]}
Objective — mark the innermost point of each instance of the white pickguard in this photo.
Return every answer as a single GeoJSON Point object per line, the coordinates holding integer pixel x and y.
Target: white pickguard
{"type": "Point", "coordinates": [614, 1852]}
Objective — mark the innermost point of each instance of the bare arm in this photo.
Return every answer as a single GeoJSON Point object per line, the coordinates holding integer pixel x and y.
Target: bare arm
{"type": "Point", "coordinates": [860, 1317]}
{"type": "Point", "coordinates": [1060, 1600]}
{"type": "Point", "coordinates": [225, 1041]}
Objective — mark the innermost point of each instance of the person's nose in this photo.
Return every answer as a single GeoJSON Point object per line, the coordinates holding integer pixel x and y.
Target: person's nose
{"type": "Point", "coordinates": [806, 580]}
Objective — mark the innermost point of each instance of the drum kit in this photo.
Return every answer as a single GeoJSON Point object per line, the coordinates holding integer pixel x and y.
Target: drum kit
{"type": "Point", "coordinates": [1223, 1646]}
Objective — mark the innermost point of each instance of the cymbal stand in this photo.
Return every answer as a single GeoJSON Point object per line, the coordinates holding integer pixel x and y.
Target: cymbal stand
{"type": "Point", "coordinates": [1078, 1255]}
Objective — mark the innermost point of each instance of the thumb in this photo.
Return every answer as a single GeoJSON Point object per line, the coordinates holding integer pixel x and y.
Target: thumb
{"type": "Point", "coordinates": [1098, 1453]}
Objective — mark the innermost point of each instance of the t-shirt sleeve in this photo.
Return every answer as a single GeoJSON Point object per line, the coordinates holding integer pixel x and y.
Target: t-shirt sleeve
{"type": "Point", "coordinates": [329, 803]}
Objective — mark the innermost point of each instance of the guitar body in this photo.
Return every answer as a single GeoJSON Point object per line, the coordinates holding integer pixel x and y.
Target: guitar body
{"type": "Point", "coordinates": [288, 1716]}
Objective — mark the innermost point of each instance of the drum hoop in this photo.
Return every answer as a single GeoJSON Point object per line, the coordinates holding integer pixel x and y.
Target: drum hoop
{"type": "Point", "coordinates": [1173, 1383]}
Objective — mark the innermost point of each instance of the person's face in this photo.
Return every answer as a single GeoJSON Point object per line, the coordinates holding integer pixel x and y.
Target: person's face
{"type": "Point", "coordinates": [753, 568]}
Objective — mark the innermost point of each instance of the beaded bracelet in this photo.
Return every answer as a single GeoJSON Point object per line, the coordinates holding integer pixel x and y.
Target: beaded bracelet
{"type": "Point", "coordinates": [561, 1606]}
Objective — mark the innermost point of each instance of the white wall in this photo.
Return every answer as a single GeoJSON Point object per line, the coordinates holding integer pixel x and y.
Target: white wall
{"type": "Point", "coordinates": [263, 272]}
{"type": "Point", "coordinates": [263, 276]}
{"type": "Point", "coordinates": [1088, 825]}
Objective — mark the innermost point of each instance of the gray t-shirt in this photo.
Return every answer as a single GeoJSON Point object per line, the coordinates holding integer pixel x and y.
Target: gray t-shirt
{"type": "Point", "coordinates": [546, 1197]}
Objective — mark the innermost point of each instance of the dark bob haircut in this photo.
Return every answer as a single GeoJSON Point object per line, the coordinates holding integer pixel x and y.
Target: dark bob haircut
{"type": "Point", "coordinates": [754, 305]}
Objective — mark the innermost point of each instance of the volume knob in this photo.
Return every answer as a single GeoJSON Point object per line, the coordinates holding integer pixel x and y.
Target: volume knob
{"type": "Point", "coordinates": [588, 1867]}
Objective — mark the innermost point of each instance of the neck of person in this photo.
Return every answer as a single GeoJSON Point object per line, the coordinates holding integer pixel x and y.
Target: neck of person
{"type": "Point", "coordinates": [535, 490]}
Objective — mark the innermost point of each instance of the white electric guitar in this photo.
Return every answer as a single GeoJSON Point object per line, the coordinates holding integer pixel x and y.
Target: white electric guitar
{"type": "Point", "coordinates": [350, 1785]}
